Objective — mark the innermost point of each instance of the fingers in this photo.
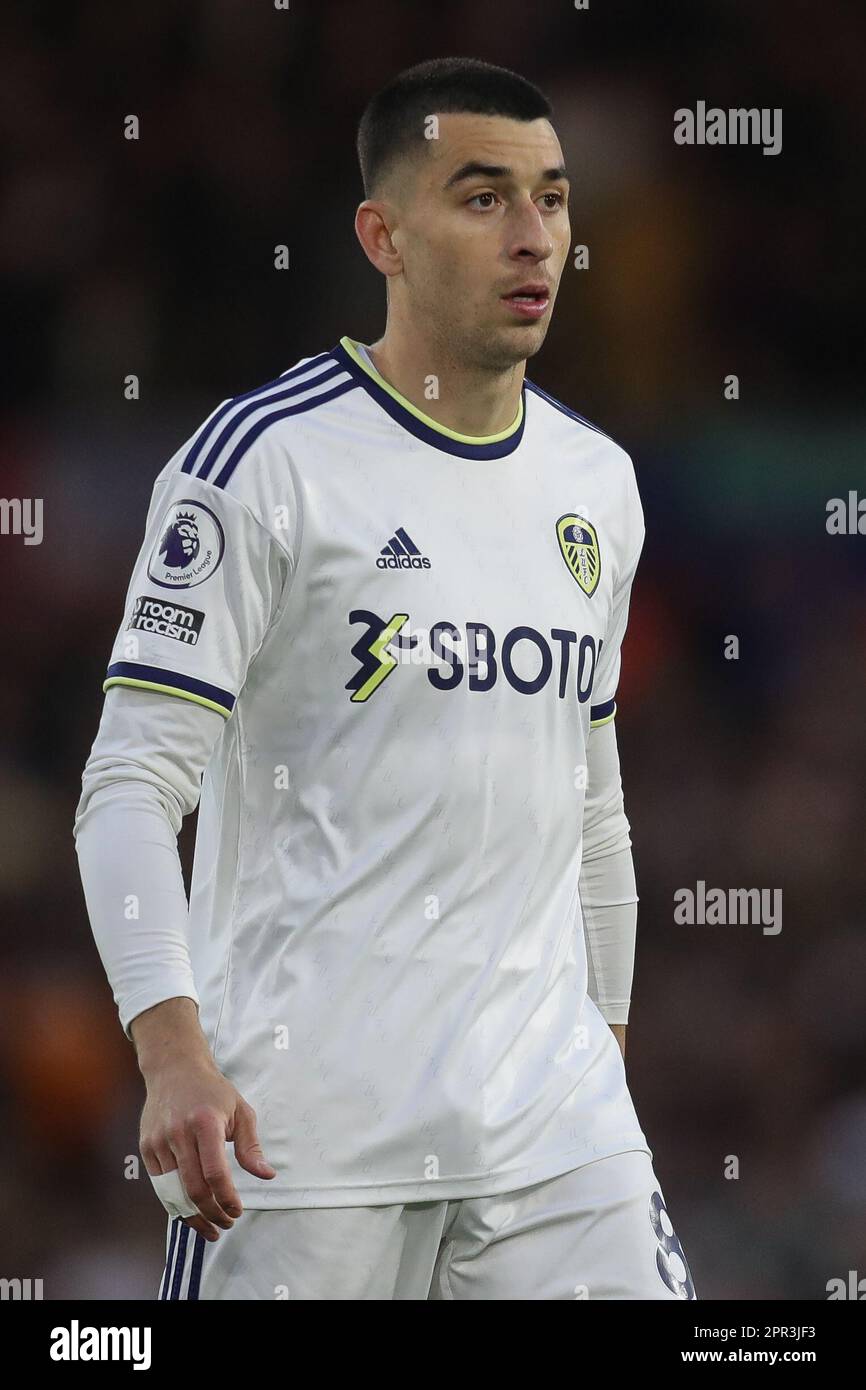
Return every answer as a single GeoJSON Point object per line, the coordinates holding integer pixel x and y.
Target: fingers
{"type": "Point", "coordinates": [248, 1150]}
{"type": "Point", "coordinates": [203, 1227]}
{"type": "Point", "coordinates": [157, 1161]}
{"type": "Point", "coordinates": [204, 1128]}
{"type": "Point", "coordinates": [195, 1147]}
{"type": "Point", "coordinates": [211, 1142]}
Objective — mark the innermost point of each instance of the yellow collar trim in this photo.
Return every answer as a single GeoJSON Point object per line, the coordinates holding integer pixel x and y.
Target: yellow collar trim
{"type": "Point", "coordinates": [352, 349]}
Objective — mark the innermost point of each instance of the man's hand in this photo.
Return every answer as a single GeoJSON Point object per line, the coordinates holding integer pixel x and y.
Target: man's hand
{"type": "Point", "coordinates": [618, 1030]}
{"type": "Point", "coordinates": [190, 1111]}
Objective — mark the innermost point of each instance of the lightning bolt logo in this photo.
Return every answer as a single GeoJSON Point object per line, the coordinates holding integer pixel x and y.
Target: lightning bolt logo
{"type": "Point", "coordinates": [375, 663]}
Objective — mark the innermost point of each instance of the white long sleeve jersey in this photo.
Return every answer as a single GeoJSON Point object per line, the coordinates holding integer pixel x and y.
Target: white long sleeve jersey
{"type": "Point", "coordinates": [399, 639]}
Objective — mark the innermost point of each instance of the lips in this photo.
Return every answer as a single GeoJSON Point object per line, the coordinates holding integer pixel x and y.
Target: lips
{"type": "Point", "coordinates": [528, 301]}
{"type": "Point", "coordinates": [530, 293]}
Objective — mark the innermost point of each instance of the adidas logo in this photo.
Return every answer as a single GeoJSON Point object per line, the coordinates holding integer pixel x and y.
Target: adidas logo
{"type": "Point", "coordinates": [401, 553]}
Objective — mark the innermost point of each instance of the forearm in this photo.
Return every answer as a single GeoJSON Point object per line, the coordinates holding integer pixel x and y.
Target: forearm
{"type": "Point", "coordinates": [167, 1033]}
{"type": "Point", "coordinates": [608, 899]}
{"type": "Point", "coordinates": [142, 777]}
{"type": "Point", "coordinates": [133, 886]}
{"type": "Point", "coordinates": [608, 892]}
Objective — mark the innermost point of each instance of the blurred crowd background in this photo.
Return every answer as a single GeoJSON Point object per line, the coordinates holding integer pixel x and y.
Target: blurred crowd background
{"type": "Point", "coordinates": [155, 257]}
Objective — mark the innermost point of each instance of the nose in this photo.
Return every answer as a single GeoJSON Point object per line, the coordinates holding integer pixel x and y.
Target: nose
{"type": "Point", "coordinates": [529, 236]}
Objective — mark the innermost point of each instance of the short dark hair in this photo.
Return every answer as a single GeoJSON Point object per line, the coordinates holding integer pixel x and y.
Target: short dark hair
{"type": "Point", "coordinates": [392, 125]}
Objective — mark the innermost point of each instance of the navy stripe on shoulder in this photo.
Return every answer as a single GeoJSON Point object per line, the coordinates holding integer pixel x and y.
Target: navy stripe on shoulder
{"type": "Point", "coordinates": [257, 402]}
{"type": "Point", "coordinates": [249, 439]}
{"type": "Point", "coordinates": [258, 394]}
{"type": "Point", "coordinates": [572, 414]}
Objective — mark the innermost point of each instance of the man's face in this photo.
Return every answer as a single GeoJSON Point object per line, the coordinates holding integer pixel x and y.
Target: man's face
{"type": "Point", "coordinates": [470, 236]}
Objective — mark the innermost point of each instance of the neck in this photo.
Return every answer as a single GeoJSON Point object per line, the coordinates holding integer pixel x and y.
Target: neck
{"type": "Point", "coordinates": [470, 399]}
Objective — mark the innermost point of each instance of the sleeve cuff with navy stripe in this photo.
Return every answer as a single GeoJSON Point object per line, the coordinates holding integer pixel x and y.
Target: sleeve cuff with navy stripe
{"type": "Point", "coordinates": [601, 714]}
{"type": "Point", "coordinates": [140, 677]}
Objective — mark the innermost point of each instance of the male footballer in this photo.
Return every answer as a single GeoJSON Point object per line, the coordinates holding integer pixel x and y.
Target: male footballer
{"type": "Point", "coordinates": [374, 633]}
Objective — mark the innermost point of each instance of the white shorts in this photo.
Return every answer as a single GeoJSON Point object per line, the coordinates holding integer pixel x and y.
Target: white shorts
{"type": "Point", "coordinates": [598, 1231]}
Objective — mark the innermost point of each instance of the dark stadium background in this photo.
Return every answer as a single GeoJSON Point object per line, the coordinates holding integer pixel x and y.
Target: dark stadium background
{"type": "Point", "coordinates": [155, 257]}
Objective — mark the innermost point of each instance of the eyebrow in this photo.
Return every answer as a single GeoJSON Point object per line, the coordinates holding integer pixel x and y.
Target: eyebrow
{"type": "Point", "coordinates": [473, 169]}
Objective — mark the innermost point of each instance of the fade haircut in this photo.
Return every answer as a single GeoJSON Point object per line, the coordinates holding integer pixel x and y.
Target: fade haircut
{"type": "Point", "coordinates": [393, 123]}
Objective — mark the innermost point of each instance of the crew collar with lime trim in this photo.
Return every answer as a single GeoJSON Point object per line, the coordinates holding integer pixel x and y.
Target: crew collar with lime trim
{"type": "Point", "coordinates": [467, 446]}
